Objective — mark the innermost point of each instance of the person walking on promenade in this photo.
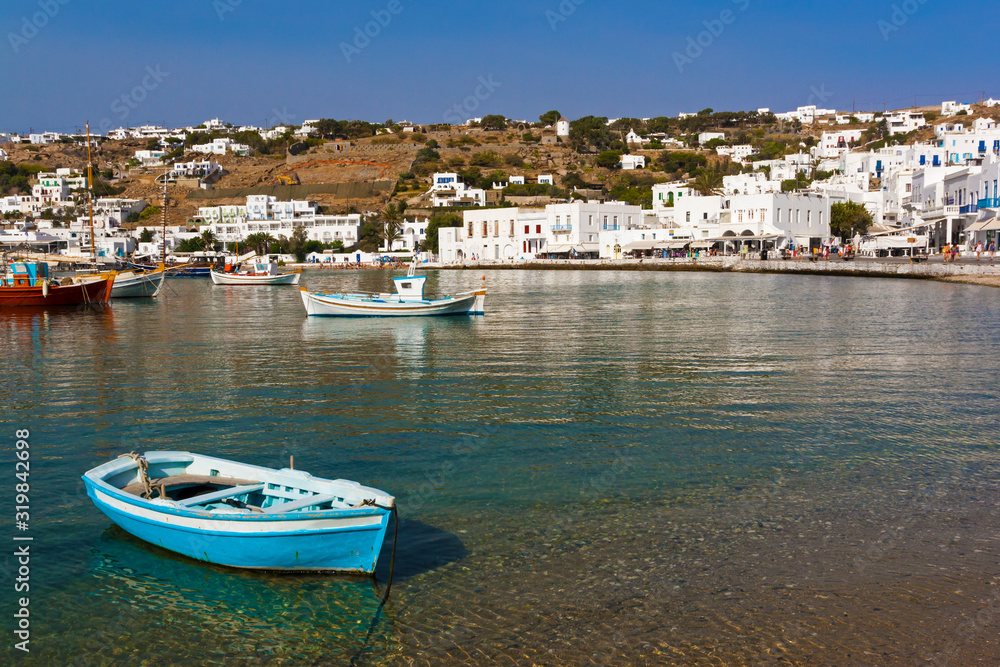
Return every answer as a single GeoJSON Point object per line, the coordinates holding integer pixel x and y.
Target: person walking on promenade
{"type": "Point", "coordinates": [946, 253]}
{"type": "Point", "coordinates": [979, 250]}
{"type": "Point", "coordinates": [954, 252]}
{"type": "Point", "coordinates": [993, 249]}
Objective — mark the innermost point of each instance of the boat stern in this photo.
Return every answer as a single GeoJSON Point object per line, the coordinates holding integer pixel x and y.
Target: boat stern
{"type": "Point", "coordinates": [479, 303]}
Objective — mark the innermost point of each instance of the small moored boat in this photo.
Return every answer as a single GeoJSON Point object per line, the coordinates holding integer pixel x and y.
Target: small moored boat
{"type": "Point", "coordinates": [242, 515]}
{"type": "Point", "coordinates": [137, 283]}
{"type": "Point", "coordinates": [408, 301]}
{"type": "Point", "coordinates": [28, 284]}
{"type": "Point", "coordinates": [261, 274]}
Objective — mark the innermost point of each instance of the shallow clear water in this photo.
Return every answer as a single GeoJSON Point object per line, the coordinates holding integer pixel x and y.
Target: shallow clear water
{"type": "Point", "coordinates": [609, 468]}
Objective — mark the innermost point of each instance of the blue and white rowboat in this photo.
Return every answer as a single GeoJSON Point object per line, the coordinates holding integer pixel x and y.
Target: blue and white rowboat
{"type": "Point", "coordinates": [243, 515]}
{"type": "Point", "coordinates": [407, 301]}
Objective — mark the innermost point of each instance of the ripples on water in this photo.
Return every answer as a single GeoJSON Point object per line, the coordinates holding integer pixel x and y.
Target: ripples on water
{"type": "Point", "coordinates": [610, 468]}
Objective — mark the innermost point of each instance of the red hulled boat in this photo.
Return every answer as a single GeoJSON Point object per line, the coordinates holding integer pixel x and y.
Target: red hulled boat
{"type": "Point", "coordinates": [27, 284]}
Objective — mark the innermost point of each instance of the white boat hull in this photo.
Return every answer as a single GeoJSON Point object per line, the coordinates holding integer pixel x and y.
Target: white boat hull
{"type": "Point", "coordinates": [248, 279]}
{"type": "Point", "coordinates": [336, 305]}
{"type": "Point", "coordinates": [130, 285]}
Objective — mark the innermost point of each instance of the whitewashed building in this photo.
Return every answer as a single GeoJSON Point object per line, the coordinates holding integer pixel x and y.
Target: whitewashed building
{"type": "Point", "coordinates": [149, 158]}
{"type": "Point", "coordinates": [195, 168]}
{"type": "Point", "coordinates": [635, 139]}
{"type": "Point", "coordinates": [902, 122]}
{"type": "Point", "coordinates": [706, 137]}
{"type": "Point", "coordinates": [221, 146]}
{"type": "Point", "coordinates": [836, 143]}
{"type": "Point", "coordinates": [665, 196]}
{"type": "Point", "coordinates": [953, 108]}
{"type": "Point", "coordinates": [778, 219]}
{"type": "Point", "coordinates": [630, 162]}
{"type": "Point", "coordinates": [495, 235]}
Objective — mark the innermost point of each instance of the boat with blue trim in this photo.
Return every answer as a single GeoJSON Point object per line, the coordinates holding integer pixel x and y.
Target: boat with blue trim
{"type": "Point", "coordinates": [242, 515]}
{"type": "Point", "coordinates": [256, 273]}
{"type": "Point", "coordinates": [407, 301]}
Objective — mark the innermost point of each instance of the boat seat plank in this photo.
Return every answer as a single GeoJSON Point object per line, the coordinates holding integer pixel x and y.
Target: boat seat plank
{"type": "Point", "coordinates": [221, 494]}
{"type": "Point", "coordinates": [299, 504]}
{"type": "Point", "coordinates": [137, 489]}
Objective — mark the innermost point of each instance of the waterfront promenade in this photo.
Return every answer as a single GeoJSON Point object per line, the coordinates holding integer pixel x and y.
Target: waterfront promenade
{"type": "Point", "coordinates": [966, 270]}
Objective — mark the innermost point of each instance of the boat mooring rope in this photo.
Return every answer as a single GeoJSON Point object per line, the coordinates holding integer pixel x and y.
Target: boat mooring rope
{"type": "Point", "coordinates": [394, 514]}
{"type": "Point", "coordinates": [147, 484]}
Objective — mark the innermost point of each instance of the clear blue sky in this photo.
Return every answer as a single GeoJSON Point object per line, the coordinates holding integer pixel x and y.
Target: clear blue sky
{"type": "Point", "coordinates": [250, 61]}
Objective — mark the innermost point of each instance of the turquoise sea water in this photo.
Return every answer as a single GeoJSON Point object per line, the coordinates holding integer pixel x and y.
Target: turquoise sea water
{"type": "Point", "coordinates": [609, 468]}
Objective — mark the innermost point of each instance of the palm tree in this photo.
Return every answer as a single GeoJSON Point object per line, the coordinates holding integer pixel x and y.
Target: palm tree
{"type": "Point", "coordinates": [392, 223]}
{"type": "Point", "coordinates": [260, 242]}
{"type": "Point", "coordinates": [708, 183]}
{"type": "Point", "coordinates": [208, 238]}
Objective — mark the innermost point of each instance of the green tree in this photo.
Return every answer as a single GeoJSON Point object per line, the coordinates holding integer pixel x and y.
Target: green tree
{"type": "Point", "coordinates": [259, 242]}
{"type": "Point", "coordinates": [489, 159]}
{"type": "Point", "coordinates": [679, 163]}
{"type": "Point", "coordinates": [146, 236]}
{"type": "Point", "coordinates": [391, 218]}
{"type": "Point", "coordinates": [191, 245]}
{"type": "Point", "coordinates": [370, 236]}
{"type": "Point", "coordinates": [589, 131]}
{"type": "Point", "coordinates": [848, 219]}
{"type": "Point", "coordinates": [550, 117]}
{"type": "Point", "coordinates": [209, 240]}
{"type": "Point", "coordinates": [708, 183]}
{"type": "Point", "coordinates": [437, 222]}
{"type": "Point", "coordinates": [296, 244]}
{"type": "Point", "coordinates": [493, 122]}
{"type": "Point", "coordinates": [608, 159]}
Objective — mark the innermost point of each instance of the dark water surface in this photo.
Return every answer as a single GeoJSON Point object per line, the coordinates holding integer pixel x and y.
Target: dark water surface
{"type": "Point", "coordinates": [609, 468]}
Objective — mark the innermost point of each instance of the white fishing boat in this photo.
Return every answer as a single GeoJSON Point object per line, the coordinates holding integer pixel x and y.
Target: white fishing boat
{"type": "Point", "coordinates": [259, 274]}
{"type": "Point", "coordinates": [242, 515]}
{"type": "Point", "coordinates": [135, 284]}
{"type": "Point", "coordinates": [407, 301]}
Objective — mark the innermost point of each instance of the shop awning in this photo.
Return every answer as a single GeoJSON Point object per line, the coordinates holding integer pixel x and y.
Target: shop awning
{"type": "Point", "coordinates": [639, 245]}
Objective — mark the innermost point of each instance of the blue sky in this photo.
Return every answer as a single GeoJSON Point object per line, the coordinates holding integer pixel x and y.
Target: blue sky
{"type": "Point", "coordinates": [249, 61]}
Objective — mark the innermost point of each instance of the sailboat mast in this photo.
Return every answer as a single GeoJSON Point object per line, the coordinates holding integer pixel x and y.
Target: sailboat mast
{"type": "Point", "coordinates": [163, 219]}
{"type": "Point", "coordinates": [90, 195]}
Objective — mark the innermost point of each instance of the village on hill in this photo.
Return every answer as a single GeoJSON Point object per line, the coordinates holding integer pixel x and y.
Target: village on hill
{"type": "Point", "coordinates": [508, 190]}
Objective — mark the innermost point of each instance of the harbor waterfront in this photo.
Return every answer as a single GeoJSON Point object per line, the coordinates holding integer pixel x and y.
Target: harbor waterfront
{"type": "Point", "coordinates": [610, 467]}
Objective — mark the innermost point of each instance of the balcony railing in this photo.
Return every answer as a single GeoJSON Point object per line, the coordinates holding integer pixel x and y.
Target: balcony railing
{"type": "Point", "coordinates": [989, 203]}
{"type": "Point", "coordinates": [612, 228]}
{"type": "Point", "coordinates": [968, 208]}
{"type": "Point", "coordinates": [562, 228]}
